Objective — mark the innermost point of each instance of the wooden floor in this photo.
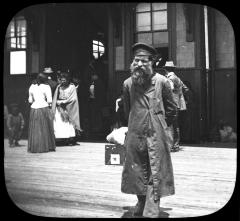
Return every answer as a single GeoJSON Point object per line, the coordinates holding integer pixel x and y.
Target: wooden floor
{"type": "Point", "coordinates": [75, 182]}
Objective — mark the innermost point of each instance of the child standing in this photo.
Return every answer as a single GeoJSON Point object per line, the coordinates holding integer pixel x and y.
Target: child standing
{"type": "Point", "coordinates": [15, 125]}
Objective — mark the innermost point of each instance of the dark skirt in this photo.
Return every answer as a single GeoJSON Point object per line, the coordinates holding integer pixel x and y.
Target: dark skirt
{"type": "Point", "coordinates": [40, 133]}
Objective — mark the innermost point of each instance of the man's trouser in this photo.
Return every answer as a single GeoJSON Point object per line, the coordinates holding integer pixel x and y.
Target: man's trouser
{"type": "Point", "coordinates": [175, 132]}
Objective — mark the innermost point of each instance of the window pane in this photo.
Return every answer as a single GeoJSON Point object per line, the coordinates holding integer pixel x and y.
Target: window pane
{"type": "Point", "coordinates": [101, 49]}
{"type": "Point", "coordinates": [100, 43]}
{"type": "Point", "coordinates": [18, 42]}
{"type": "Point", "coordinates": [95, 54]}
{"type": "Point", "coordinates": [23, 42]}
{"type": "Point", "coordinates": [145, 38]}
{"type": "Point", "coordinates": [160, 20]}
{"type": "Point", "coordinates": [98, 49]}
{"type": "Point", "coordinates": [12, 34]}
{"type": "Point", "coordinates": [10, 30]}
{"type": "Point", "coordinates": [18, 62]}
{"type": "Point", "coordinates": [160, 38]}
{"type": "Point", "coordinates": [21, 27]}
{"type": "Point", "coordinates": [142, 7]}
{"type": "Point", "coordinates": [159, 6]}
{"type": "Point", "coordinates": [143, 22]}
{"type": "Point", "coordinates": [13, 42]}
{"type": "Point", "coordinates": [95, 48]}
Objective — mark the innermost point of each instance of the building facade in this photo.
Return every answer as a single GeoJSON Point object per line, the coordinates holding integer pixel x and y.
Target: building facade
{"type": "Point", "coordinates": [198, 39]}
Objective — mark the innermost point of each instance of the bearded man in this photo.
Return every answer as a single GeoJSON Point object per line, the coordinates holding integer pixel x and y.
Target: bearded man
{"type": "Point", "coordinates": [150, 109]}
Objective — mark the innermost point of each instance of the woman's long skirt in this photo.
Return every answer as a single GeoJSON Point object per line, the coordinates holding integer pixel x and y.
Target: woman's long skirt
{"type": "Point", "coordinates": [41, 134]}
{"type": "Point", "coordinates": [62, 129]}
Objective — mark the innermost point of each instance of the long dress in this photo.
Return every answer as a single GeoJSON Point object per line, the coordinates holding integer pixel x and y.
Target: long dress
{"type": "Point", "coordinates": [66, 115]}
{"type": "Point", "coordinates": [40, 132]}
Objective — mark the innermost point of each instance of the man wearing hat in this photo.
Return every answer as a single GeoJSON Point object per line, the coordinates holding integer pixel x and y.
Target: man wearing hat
{"type": "Point", "coordinates": [53, 84]}
{"type": "Point", "coordinates": [149, 108]}
{"type": "Point", "coordinates": [177, 87]}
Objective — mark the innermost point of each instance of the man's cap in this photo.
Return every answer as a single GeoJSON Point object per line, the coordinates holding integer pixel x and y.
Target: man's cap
{"type": "Point", "coordinates": [143, 49]}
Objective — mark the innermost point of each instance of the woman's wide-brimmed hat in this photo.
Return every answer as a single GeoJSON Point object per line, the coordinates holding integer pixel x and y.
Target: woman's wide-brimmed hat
{"type": "Point", "coordinates": [47, 70]}
{"type": "Point", "coordinates": [169, 64]}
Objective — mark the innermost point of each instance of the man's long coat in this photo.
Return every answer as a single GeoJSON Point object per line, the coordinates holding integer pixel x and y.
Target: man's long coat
{"type": "Point", "coordinates": [148, 141]}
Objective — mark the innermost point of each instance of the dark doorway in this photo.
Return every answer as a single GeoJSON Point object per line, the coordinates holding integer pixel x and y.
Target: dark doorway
{"type": "Point", "coordinates": [72, 30]}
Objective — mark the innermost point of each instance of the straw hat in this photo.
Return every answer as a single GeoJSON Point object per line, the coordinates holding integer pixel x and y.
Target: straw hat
{"type": "Point", "coordinates": [169, 64]}
{"type": "Point", "coordinates": [47, 70]}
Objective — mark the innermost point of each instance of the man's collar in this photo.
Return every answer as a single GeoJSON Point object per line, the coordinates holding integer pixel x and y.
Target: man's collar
{"type": "Point", "coordinates": [153, 78]}
{"type": "Point", "coordinates": [170, 74]}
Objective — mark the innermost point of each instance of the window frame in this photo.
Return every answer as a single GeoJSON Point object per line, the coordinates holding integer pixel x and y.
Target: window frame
{"type": "Point", "coordinates": [16, 36]}
{"type": "Point", "coordinates": [151, 31]}
{"type": "Point", "coordinates": [8, 40]}
{"type": "Point", "coordinates": [99, 44]}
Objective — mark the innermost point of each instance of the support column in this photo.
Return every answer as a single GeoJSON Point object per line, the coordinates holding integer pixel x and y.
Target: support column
{"type": "Point", "coordinates": [111, 56]}
{"type": "Point", "coordinates": [42, 38]}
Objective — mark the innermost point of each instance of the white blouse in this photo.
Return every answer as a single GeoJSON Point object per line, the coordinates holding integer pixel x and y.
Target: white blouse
{"type": "Point", "coordinates": [40, 95]}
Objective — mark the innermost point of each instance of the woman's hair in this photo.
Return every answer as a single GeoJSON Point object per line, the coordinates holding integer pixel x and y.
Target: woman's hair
{"type": "Point", "coordinates": [41, 78]}
{"type": "Point", "coordinates": [65, 75]}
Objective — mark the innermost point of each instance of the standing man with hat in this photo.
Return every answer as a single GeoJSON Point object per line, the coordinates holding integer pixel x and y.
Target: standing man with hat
{"type": "Point", "coordinates": [53, 84]}
{"type": "Point", "coordinates": [150, 108]}
{"type": "Point", "coordinates": [177, 87]}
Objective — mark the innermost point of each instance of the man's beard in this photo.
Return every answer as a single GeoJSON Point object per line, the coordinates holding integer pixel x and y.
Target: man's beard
{"type": "Point", "coordinates": [140, 76]}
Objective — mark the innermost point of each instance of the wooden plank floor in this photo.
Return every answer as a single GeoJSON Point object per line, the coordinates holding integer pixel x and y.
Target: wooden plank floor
{"type": "Point", "coordinates": [75, 182]}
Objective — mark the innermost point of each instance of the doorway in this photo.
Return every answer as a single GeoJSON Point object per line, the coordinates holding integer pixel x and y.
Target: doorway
{"type": "Point", "coordinates": [77, 41]}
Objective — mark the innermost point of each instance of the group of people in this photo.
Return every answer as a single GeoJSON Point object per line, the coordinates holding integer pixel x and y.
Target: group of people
{"type": "Point", "coordinates": [150, 105]}
{"type": "Point", "coordinates": [54, 112]}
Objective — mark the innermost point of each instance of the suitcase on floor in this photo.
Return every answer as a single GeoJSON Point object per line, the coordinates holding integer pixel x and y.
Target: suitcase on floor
{"type": "Point", "coordinates": [114, 154]}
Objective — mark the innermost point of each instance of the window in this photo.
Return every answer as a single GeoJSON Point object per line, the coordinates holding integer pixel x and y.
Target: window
{"type": "Point", "coordinates": [151, 24]}
{"type": "Point", "coordinates": [18, 62]}
{"type": "Point", "coordinates": [98, 49]}
{"type": "Point", "coordinates": [16, 38]}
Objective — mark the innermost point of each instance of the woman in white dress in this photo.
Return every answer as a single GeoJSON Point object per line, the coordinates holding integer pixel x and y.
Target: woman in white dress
{"type": "Point", "coordinates": [40, 133]}
{"type": "Point", "coordinates": [66, 110]}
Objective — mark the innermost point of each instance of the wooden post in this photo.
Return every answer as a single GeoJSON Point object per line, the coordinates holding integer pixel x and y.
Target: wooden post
{"type": "Point", "coordinates": [111, 56]}
{"type": "Point", "coordinates": [42, 38]}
